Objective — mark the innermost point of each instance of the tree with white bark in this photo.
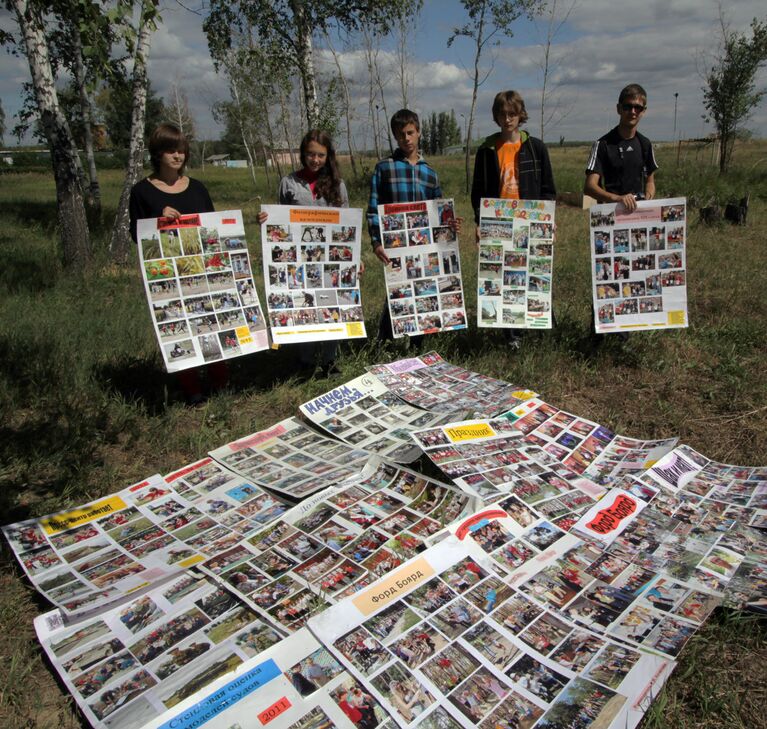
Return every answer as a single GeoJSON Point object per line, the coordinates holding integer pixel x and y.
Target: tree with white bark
{"type": "Point", "coordinates": [487, 20]}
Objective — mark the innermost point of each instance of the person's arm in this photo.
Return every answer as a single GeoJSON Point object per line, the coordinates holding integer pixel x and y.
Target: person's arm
{"type": "Point", "coordinates": [372, 216]}
{"type": "Point", "coordinates": [344, 194]}
{"type": "Point", "coordinates": [477, 184]}
{"type": "Point", "coordinates": [649, 187]}
{"type": "Point", "coordinates": [594, 189]}
{"type": "Point", "coordinates": [548, 188]}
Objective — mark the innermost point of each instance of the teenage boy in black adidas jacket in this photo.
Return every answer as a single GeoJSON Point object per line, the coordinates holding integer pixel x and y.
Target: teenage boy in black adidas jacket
{"type": "Point", "coordinates": [621, 166]}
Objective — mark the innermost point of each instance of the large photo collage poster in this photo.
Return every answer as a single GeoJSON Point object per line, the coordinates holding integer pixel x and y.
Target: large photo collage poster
{"type": "Point", "coordinates": [423, 279]}
{"type": "Point", "coordinates": [516, 257]}
{"type": "Point", "coordinates": [200, 288]}
{"type": "Point", "coordinates": [311, 271]}
{"type": "Point", "coordinates": [639, 265]}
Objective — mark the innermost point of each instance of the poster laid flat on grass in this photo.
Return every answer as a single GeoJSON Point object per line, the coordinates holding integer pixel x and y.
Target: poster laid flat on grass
{"type": "Point", "coordinates": [137, 661]}
{"type": "Point", "coordinates": [337, 541]}
{"type": "Point", "coordinates": [639, 265]}
{"type": "Point", "coordinates": [200, 288]}
{"type": "Point", "coordinates": [311, 271]}
{"type": "Point", "coordinates": [364, 413]}
{"type": "Point", "coordinates": [515, 264]}
{"type": "Point", "coordinates": [97, 553]}
{"type": "Point", "coordinates": [431, 383]}
{"type": "Point", "coordinates": [423, 279]}
{"type": "Point", "coordinates": [291, 458]}
{"type": "Point", "coordinates": [443, 641]}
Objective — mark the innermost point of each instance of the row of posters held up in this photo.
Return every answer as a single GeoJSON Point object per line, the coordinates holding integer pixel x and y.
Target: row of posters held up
{"type": "Point", "coordinates": [205, 308]}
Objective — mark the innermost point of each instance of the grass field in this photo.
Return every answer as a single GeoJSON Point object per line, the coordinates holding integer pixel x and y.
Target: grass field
{"type": "Point", "coordinates": [86, 407]}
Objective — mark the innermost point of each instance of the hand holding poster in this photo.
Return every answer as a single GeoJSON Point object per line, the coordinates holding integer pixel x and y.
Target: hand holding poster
{"type": "Point", "coordinates": [423, 278]}
{"type": "Point", "coordinates": [516, 256]}
{"type": "Point", "coordinates": [639, 265]}
{"type": "Point", "coordinates": [200, 288]}
{"type": "Point", "coordinates": [311, 271]}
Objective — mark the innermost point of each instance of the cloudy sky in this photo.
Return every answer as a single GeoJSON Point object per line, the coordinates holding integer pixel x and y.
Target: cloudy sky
{"type": "Point", "coordinates": [603, 46]}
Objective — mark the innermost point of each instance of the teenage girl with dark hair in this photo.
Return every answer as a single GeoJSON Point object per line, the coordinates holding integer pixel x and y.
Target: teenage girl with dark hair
{"type": "Point", "coordinates": [318, 184]}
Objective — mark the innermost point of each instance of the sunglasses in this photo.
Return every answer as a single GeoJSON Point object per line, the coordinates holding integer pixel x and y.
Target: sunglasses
{"type": "Point", "coordinates": [638, 108]}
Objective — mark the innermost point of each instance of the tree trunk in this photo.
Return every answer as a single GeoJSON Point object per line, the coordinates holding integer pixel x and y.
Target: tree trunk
{"type": "Point", "coordinates": [284, 119]}
{"type": "Point", "coordinates": [470, 128]}
{"type": "Point", "coordinates": [94, 190]}
{"type": "Point", "coordinates": [120, 242]}
{"type": "Point", "coordinates": [347, 105]}
{"type": "Point", "coordinates": [67, 170]}
{"type": "Point", "coordinates": [305, 58]}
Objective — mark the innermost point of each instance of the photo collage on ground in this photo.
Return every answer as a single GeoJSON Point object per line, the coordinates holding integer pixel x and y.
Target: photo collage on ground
{"type": "Point", "coordinates": [430, 383]}
{"type": "Point", "coordinates": [311, 271]}
{"type": "Point", "coordinates": [639, 265]}
{"type": "Point", "coordinates": [134, 662]}
{"type": "Point", "coordinates": [444, 634]}
{"type": "Point", "coordinates": [337, 541]}
{"type": "Point", "coordinates": [365, 414]}
{"type": "Point", "coordinates": [296, 684]}
{"type": "Point", "coordinates": [291, 458]}
{"type": "Point", "coordinates": [423, 277]}
{"type": "Point", "coordinates": [515, 264]}
{"type": "Point", "coordinates": [200, 288]}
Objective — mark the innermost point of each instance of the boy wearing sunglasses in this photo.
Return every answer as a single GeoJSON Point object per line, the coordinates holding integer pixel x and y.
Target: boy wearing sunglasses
{"type": "Point", "coordinates": [621, 166]}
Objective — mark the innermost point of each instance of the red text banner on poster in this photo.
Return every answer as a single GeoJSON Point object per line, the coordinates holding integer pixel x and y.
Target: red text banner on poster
{"type": "Point", "coordinates": [277, 708]}
{"type": "Point", "coordinates": [404, 208]}
{"type": "Point", "coordinates": [185, 221]}
{"type": "Point", "coordinates": [609, 519]}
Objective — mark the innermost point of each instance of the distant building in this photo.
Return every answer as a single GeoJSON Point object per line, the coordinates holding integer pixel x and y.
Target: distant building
{"type": "Point", "coordinates": [218, 160]}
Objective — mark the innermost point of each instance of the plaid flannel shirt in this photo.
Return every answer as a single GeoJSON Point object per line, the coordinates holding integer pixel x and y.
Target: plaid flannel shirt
{"type": "Point", "coordinates": [395, 180]}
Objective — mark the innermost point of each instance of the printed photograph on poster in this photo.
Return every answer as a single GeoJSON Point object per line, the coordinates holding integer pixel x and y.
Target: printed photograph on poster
{"type": "Point", "coordinates": [423, 278]}
{"type": "Point", "coordinates": [639, 265]}
{"type": "Point", "coordinates": [200, 288]}
{"type": "Point", "coordinates": [311, 272]}
{"type": "Point", "coordinates": [515, 263]}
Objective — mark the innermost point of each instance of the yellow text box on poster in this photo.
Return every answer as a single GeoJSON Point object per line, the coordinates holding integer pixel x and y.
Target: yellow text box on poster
{"type": "Point", "coordinates": [354, 329]}
{"type": "Point", "coordinates": [469, 432]}
{"type": "Point", "coordinates": [314, 215]}
{"type": "Point", "coordinates": [675, 317]}
{"type": "Point", "coordinates": [396, 584]}
{"type": "Point", "coordinates": [68, 519]}
{"type": "Point", "coordinates": [243, 335]}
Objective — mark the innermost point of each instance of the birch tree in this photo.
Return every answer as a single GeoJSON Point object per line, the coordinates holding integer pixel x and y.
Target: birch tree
{"type": "Point", "coordinates": [67, 169]}
{"type": "Point", "coordinates": [487, 21]}
{"type": "Point", "coordinates": [120, 241]}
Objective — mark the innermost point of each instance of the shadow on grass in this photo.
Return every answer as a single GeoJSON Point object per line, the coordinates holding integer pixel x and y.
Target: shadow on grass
{"type": "Point", "coordinates": [21, 272]}
{"type": "Point", "coordinates": [140, 381]}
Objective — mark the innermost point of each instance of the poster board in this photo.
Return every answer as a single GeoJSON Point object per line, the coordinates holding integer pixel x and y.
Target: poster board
{"type": "Point", "coordinates": [515, 263]}
{"type": "Point", "coordinates": [424, 289]}
{"type": "Point", "coordinates": [639, 265]}
{"type": "Point", "coordinates": [311, 272]}
{"type": "Point", "coordinates": [200, 288]}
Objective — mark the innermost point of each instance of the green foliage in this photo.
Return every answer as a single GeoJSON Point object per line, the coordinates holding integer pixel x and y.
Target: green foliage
{"type": "Point", "coordinates": [439, 131]}
{"type": "Point", "coordinates": [115, 104]}
{"type": "Point", "coordinates": [730, 93]}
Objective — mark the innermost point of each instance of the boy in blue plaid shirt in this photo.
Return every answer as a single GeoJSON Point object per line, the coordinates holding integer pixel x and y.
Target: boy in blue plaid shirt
{"type": "Point", "coordinates": [403, 177]}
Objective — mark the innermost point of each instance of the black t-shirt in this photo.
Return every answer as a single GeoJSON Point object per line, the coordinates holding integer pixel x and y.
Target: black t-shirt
{"type": "Point", "coordinates": [623, 164]}
{"type": "Point", "coordinates": [146, 201]}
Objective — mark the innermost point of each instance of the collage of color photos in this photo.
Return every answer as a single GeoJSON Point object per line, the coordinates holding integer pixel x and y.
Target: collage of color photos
{"type": "Point", "coordinates": [296, 684]}
{"type": "Point", "coordinates": [364, 413]}
{"type": "Point", "coordinates": [423, 277]}
{"type": "Point", "coordinates": [639, 265]}
{"type": "Point", "coordinates": [516, 258]}
{"type": "Point", "coordinates": [311, 271]}
{"type": "Point", "coordinates": [337, 541]}
{"type": "Point", "coordinates": [491, 459]}
{"type": "Point", "coordinates": [431, 383]}
{"type": "Point", "coordinates": [200, 288]}
{"type": "Point", "coordinates": [291, 458]}
{"type": "Point", "coordinates": [445, 635]}
{"type": "Point", "coordinates": [136, 661]}
{"type": "Point", "coordinates": [99, 552]}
